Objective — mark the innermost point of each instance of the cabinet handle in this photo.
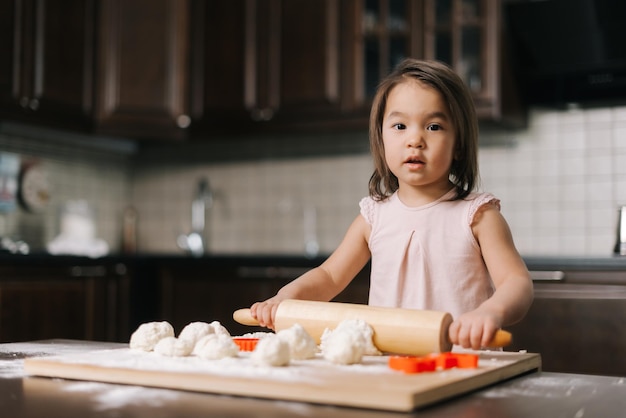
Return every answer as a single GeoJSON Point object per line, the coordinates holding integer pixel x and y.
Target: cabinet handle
{"type": "Point", "coordinates": [547, 276]}
{"type": "Point", "coordinates": [26, 103]}
{"type": "Point", "coordinates": [262, 115]}
{"type": "Point", "coordinates": [183, 121]}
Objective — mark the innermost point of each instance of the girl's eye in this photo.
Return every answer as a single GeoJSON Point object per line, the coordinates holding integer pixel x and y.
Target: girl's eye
{"type": "Point", "coordinates": [399, 126]}
{"type": "Point", "coordinates": [433, 127]}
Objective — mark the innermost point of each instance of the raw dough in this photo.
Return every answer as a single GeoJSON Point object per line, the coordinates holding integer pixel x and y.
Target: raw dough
{"type": "Point", "coordinates": [348, 342]}
{"type": "Point", "coordinates": [271, 351]}
{"type": "Point", "coordinates": [149, 334]}
{"type": "Point", "coordinates": [363, 328]}
{"type": "Point", "coordinates": [343, 347]}
{"type": "Point", "coordinates": [216, 346]}
{"type": "Point", "coordinates": [219, 328]}
{"type": "Point", "coordinates": [174, 347]}
{"type": "Point", "coordinates": [195, 331]}
{"type": "Point", "coordinates": [301, 345]}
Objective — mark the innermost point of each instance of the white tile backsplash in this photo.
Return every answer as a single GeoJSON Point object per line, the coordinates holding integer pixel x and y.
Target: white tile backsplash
{"type": "Point", "coordinates": [560, 182]}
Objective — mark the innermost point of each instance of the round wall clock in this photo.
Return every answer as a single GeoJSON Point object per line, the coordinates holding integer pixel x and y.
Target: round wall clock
{"type": "Point", "coordinates": [34, 189]}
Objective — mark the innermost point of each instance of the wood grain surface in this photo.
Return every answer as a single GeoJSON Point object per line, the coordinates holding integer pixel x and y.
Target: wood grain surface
{"type": "Point", "coordinates": [370, 384]}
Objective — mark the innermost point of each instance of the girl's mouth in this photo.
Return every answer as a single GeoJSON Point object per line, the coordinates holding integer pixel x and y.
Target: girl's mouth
{"type": "Point", "coordinates": [414, 162]}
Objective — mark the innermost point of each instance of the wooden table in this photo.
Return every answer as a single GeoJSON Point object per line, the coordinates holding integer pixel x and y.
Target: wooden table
{"type": "Point", "coordinates": [533, 395]}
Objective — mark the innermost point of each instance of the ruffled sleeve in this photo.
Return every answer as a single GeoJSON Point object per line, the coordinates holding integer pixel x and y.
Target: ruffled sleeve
{"type": "Point", "coordinates": [367, 209]}
{"type": "Point", "coordinates": [480, 201]}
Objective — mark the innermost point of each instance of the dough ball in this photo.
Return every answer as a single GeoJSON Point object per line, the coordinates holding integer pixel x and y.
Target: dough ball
{"type": "Point", "coordinates": [194, 331]}
{"type": "Point", "coordinates": [271, 351]}
{"type": "Point", "coordinates": [343, 347]}
{"type": "Point", "coordinates": [359, 326]}
{"type": "Point", "coordinates": [219, 328]}
{"type": "Point", "coordinates": [215, 347]}
{"type": "Point", "coordinates": [301, 345]}
{"type": "Point", "coordinates": [174, 347]}
{"type": "Point", "coordinates": [149, 334]}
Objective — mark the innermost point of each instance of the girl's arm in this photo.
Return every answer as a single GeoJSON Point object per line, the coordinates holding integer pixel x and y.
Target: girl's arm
{"type": "Point", "coordinates": [513, 287]}
{"type": "Point", "coordinates": [325, 281]}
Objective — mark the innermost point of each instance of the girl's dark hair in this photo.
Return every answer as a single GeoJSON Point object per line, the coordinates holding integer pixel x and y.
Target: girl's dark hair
{"type": "Point", "coordinates": [464, 171]}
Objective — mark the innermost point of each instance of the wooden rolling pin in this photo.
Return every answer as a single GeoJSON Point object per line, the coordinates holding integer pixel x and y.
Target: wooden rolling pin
{"type": "Point", "coordinates": [400, 331]}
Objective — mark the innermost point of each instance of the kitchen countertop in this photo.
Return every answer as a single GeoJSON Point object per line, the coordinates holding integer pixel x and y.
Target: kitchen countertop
{"type": "Point", "coordinates": [538, 394]}
{"type": "Point", "coordinates": [570, 263]}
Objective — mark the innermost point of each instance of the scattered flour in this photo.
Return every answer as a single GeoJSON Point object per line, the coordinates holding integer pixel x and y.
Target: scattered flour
{"type": "Point", "coordinates": [149, 334]}
{"type": "Point", "coordinates": [271, 351]}
{"type": "Point", "coordinates": [301, 345]}
{"type": "Point", "coordinates": [110, 397]}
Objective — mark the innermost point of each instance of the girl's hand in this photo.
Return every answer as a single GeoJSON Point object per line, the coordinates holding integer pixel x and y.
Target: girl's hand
{"type": "Point", "coordinates": [265, 312]}
{"type": "Point", "coordinates": [474, 329]}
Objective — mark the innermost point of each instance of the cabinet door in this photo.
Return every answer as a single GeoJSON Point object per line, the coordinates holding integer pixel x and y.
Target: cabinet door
{"type": "Point", "coordinates": [189, 295]}
{"type": "Point", "coordinates": [467, 34]}
{"type": "Point", "coordinates": [142, 68]}
{"type": "Point", "coordinates": [265, 64]}
{"type": "Point", "coordinates": [76, 302]}
{"type": "Point", "coordinates": [577, 328]}
{"type": "Point", "coordinates": [47, 61]}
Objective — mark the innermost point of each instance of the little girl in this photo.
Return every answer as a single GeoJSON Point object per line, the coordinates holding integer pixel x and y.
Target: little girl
{"type": "Point", "coordinates": [434, 243]}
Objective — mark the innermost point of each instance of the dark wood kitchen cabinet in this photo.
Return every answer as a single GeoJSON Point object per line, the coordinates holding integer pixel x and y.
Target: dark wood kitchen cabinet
{"type": "Point", "coordinates": [194, 293]}
{"type": "Point", "coordinates": [85, 302]}
{"type": "Point", "coordinates": [268, 65]}
{"type": "Point", "coordinates": [142, 81]}
{"type": "Point", "coordinates": [108, 67]}
{"type": "Point", "coordinates": [470, 36]}
{"type": "Point", "coordinates": [576, 322]}
{"type": "Point", "coordinates": [47, 61]}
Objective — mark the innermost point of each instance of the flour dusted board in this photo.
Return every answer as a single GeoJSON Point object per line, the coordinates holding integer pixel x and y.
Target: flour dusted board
{"type": "Point", "coordinates": [368, 385]}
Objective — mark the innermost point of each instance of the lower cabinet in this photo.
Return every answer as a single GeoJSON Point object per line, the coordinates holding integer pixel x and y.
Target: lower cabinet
{"type": "Point", "coordinates": [577, 327]}
{"type": "Point", "coordinates": [73, 302]}
{"type": "Point", "coordinates": [196, 294]}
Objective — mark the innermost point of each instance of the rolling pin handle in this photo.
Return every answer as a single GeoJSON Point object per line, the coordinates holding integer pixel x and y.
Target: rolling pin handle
{"type": "Point", "coordinates": [501, 339]}
{"type": "Point", "coordinates": [244, 317]}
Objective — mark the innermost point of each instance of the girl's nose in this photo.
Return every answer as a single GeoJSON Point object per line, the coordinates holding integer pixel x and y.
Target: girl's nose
{"type": "Point", "coordinates": [416, 140]}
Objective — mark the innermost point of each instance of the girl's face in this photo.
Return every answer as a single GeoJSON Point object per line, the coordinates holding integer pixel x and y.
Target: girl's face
{"type": "Point", "coordinates": [419, 138]}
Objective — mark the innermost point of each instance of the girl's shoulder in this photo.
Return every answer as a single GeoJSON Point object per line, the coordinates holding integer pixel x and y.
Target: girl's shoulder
{"type": "Point", "coordinates": [369, 206]}
{"type": "Point", "coordinates": [481, 200]}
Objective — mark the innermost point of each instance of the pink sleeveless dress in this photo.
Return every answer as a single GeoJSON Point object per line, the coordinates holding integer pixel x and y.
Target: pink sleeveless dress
{"type": "Point", "coordinates": [427, 257]}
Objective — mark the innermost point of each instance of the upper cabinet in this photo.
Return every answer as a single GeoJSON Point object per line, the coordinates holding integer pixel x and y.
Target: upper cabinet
{"type": "Point", "coordinates": [142, 59]}
{"type": "Point", "coordinates": [111, 67]}
{"type": "Point", "coordinates": [468, 35]}
{"type": "Point", "coordinates": [47, 61]}
{"type": "Point", "coordinates": [179, 69]}
{"type": "Point", "coordinates": [260, 65]}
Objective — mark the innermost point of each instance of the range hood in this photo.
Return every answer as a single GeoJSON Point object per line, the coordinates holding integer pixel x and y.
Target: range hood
{"type": "Point", "coordinates": [568, 51]}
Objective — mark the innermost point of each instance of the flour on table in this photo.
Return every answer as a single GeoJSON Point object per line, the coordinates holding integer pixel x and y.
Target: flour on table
{"type": "Point", "coordinates": [215, 347]}
{"type": "Point", "coordinates": [301, 345]}
{"type": "Point", "coordinates": [271, 351]}
{"type": "Point", "coordinates": [174, 347]}
{"type": "Point", "coordinates": [149, 334]}
{"type": "Point", "coordinates": [348, 342]}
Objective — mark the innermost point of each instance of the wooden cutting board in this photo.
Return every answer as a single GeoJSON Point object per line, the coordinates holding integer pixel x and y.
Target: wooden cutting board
{"type": "Point", "coordinates": [370, 384]}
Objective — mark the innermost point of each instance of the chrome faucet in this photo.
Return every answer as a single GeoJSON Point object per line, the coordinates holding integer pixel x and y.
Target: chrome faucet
{"type": "Point", "coordinates": [196, 242]}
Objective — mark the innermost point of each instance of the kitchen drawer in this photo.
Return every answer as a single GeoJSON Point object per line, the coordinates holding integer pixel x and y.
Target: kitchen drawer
{"type": "Point", "coordinates": [577, 327]}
